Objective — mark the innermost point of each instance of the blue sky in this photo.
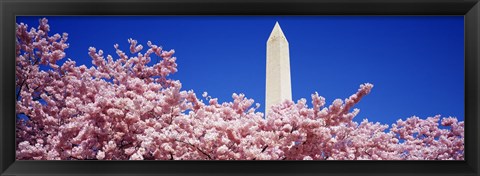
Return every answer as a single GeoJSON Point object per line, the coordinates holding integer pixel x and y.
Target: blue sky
{"type": "Point", "coordinates": [416, 63]}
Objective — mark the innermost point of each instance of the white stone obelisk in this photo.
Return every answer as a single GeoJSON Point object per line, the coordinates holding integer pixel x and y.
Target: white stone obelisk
{"type": "Point", "coordinates": [278, 86]}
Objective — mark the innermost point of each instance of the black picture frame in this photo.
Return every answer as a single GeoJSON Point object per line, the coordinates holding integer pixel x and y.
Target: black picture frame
{"type": "Point", "coordinates": [470, 9]}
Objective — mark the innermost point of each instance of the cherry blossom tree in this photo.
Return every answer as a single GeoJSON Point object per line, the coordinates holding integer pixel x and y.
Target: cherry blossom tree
{"type": "Point", "coordinates": [129, 109]}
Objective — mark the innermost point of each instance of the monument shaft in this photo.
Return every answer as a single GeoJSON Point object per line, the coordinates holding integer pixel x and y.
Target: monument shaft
{"type": "Point", "coordinates": [278, 85]}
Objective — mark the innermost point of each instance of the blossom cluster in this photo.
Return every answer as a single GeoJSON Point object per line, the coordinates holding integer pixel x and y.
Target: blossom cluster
{"type": "Point", "coordinates": [129, 108]}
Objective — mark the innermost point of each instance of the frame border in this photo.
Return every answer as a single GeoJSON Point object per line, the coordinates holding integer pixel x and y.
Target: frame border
{"type": "Point", "coordinates": [470, 9]}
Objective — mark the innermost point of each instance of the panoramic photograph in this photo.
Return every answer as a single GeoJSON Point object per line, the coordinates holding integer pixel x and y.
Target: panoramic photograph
{"type": "Point", "coordinates": [240, 88]}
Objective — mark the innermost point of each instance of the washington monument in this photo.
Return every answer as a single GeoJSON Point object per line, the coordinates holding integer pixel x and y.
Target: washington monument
{"type": "Point", "coordinates": [278, 86]}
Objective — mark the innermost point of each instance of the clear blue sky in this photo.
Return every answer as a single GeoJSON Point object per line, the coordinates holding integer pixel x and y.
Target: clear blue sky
{"type": "Point", "coordinates": [416, 63]}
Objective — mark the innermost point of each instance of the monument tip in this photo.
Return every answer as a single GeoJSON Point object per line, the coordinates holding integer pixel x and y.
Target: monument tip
{"type": "Point", "coordinates": [277, 32]}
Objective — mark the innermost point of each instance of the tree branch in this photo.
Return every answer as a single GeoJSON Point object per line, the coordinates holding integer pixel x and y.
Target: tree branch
{"type": "Point", "coordinates": [209, 157]}
{"type": "Point", "coordinates": [20, 89]}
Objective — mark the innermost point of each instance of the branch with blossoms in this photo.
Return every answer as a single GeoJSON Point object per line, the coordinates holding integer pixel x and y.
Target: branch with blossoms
{"type": "Point", "coordinates": [129, 109]}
